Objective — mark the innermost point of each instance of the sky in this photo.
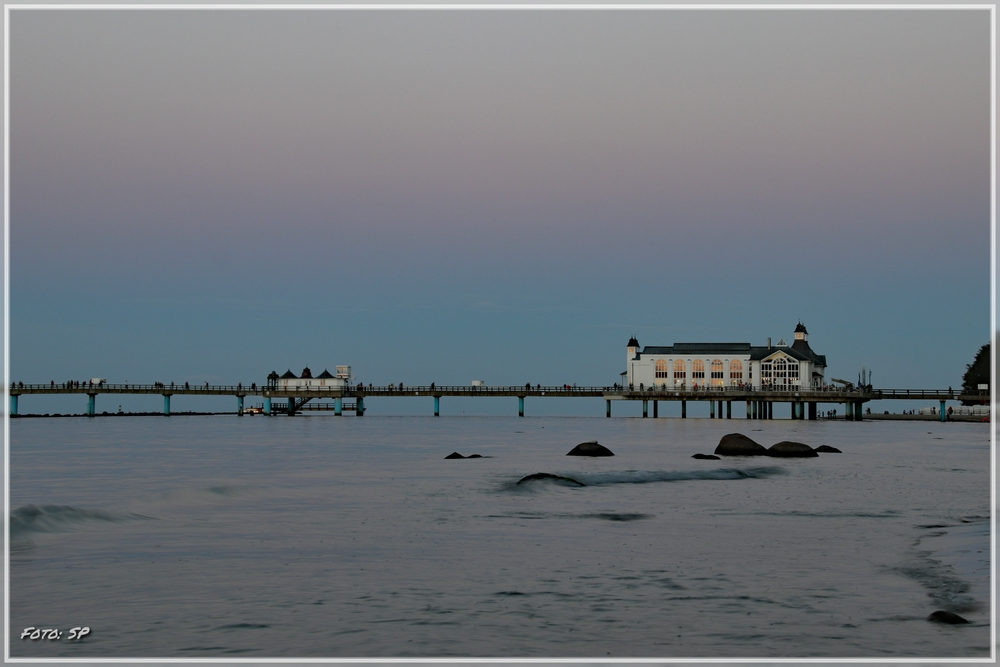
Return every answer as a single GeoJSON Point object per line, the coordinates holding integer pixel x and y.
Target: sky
{"type": "Point", "coordinates": [442, 196]}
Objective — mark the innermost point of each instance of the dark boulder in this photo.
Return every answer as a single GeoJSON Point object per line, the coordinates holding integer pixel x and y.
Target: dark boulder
{"type": "Point", "coordinates": [946, 617]}
{"type": "Point", "coordinates": [711, 457]}
{"type": "Point", "coordinates": [591, 448]}
{"type": "Point", "coordinates": [737, 444]}
{"type": "Point", "coordinates": [454, 455]}
{"type": "Point", "coordinates": [474, 456]}
{"type": "Point", "coordinates": [789, 449]}
{"type": "Point", "coordinates": [827, 449]}
{"type": "Point", "coordinates": [566, 481]}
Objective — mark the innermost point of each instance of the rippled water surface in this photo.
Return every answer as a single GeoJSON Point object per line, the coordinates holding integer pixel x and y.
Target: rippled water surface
{"type": "Point", "coordinates": [321, 536]}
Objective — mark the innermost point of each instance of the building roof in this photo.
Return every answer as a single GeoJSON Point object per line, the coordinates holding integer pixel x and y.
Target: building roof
{"type": "Point", "coordinates": [324, 375]}
{"type": "Point", "coordinates": [760, 353]}
{"type": "Point", "coordinates": [632, 342]}
{"type": "Point", "coordinates": [306, 373]}
{"type": "Point", "coordinates": [756, 353]}
{"type": "Point", "coordinates": [289, 375]}
{"type": "Point", "coordinates": [800, 328]}
{"type": "Point", "coordinates": [699, 348]}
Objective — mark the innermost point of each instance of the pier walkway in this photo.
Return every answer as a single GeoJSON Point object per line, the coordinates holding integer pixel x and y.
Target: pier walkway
{"type": "Point", "coordinates": [759, 402]}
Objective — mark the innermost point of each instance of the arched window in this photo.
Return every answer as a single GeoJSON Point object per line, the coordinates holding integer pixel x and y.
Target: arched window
{"type": "Point", "coordinates": [698, 371]}
{"type": "Point", "coordinates": [735, 371]}
{"type": "Point", "coordinates": [780, 371]}
{"type": "Point", "coordinates": [717, 373]}
{"type": "Point", "coordinates": [661, 368]}
{"type": "Point", "coordinates": [680, 371]}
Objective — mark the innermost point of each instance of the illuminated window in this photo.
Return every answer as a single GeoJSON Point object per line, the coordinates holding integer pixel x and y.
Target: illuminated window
{"type": "Point", "coordinates": [780, 371]}
{"type": "Point", "coordinates": [680, 371]}
{"type": "Point", "coordinates": [698, 370]}
{"type": "Point", "coordinates": [661, 368]}
{"type": "Point", "coordinates": [735, 371]}
{"type": "Point", "coordinates": [717, 373]}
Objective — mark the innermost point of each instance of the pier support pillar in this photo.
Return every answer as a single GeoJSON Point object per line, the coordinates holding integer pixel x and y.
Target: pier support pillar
{"type": "Point", "coordinates": [645, 409]}
{"type": "Point", "coordinates": [656, 409]}
{"type": "Point", "coordinates": [729, 409]}
{"type": "Point", "coordinates": [607, 408]}
{"type": "Point", "coordinates": [749, 411]}
{"type": "Point", "coordinates": [770, 409]}
{"type": "Point", "coordinates": [437, 406]}
{"type": "Point", "coordinates": [291, 406]}
{"type": "Point", "coordinates": [91, 404]}
{"type": "Point", "coordinates": [944, 412]}
{"type": "Point", "coordinates": [858, 411]}
{"type": "Point", "coordinates": [338, 406]}
{"type": "Point", "coordinates": [360, 409]}
{"type": "Point", "coordinates": [239, 406]}
{"type": "Point", "coordinates": [267, 405]}
{"type": "Point", "coordinates": [711, 409]}
{"type": "Point", "coordinates": [166, 405]}
{"type": "Point", "coordinates": [849, 411]}
{"type": "Point", "coordinates": [684, 409]}
{"type": "Point", "coordinates": [520, 406]}
{"type": "Point", "coordinates": [812, 410]}
{"type": "Point", "coordinates": [13, 405]}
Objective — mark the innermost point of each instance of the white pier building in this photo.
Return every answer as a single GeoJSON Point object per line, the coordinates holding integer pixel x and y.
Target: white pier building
{"type": "Point", "coordinates": [701, 365]}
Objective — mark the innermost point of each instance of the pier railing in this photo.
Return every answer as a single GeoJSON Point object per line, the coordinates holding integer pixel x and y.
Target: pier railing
{"type": "Point", "coordinates": [759, 400]}
{"type": "Point", "coordinates": [253, 389]}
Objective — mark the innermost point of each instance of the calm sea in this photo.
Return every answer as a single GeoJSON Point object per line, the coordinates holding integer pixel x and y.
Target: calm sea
{"type": "Point", "coordinates": [319, 536]}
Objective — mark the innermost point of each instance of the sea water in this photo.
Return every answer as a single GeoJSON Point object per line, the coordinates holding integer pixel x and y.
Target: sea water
{"type": "Point", "coordinates": [324, 536]}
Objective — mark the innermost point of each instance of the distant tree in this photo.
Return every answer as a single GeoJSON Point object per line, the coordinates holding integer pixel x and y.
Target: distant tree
{"type": "Point", "coordinates": [977, 373]}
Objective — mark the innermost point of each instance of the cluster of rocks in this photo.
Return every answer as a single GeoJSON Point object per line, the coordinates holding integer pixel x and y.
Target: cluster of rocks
{"type": "Point", "coordinates": [456, 455]}
{"type": "Point", "coordinates": [737, 444]}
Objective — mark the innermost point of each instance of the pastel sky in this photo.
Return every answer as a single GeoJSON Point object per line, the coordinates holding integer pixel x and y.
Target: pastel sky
{"type": "Point", "coordinates": [498, 195]}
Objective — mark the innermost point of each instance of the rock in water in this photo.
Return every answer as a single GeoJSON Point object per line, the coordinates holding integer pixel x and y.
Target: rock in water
{"type": "Point", "coordinates": [568, 481]}
{"type": "Point", "coordinates": [454, 455]}
{"type": "Point", "coordinates": [946, 617]}
{"type": "Point", "coordinates": [827, 449]}
{"type": "Point", "coordinates": [737, 444]}
{"type": "Point", "coordinates": [789, 449]}
{"type": "Point", "coordinates": [474, 456]}
{"type": "Point", "coordinates": [591, 448]}
{"type": "Point", "coordinates": [712, 457]}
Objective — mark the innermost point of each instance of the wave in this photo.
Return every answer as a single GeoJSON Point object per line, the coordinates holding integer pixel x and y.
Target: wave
{"type": "Point", "coordinates": [652, 476]}
{"type": "Point", "coordinates": [943, 586]}
{"type": "Point", "coordinates": [583, 479]}
{"type": "Point", "coordinates": [35, 519]}
{"type": "Point", "coordinates": [606, 516]}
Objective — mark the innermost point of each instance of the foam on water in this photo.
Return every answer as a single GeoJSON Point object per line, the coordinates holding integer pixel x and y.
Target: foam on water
{"type": "Point", "coordinates": [35, 519]}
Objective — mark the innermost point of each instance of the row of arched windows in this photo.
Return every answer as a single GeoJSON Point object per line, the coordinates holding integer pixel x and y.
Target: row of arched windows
{"type": "Point", "coordinates": [718, 372]}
